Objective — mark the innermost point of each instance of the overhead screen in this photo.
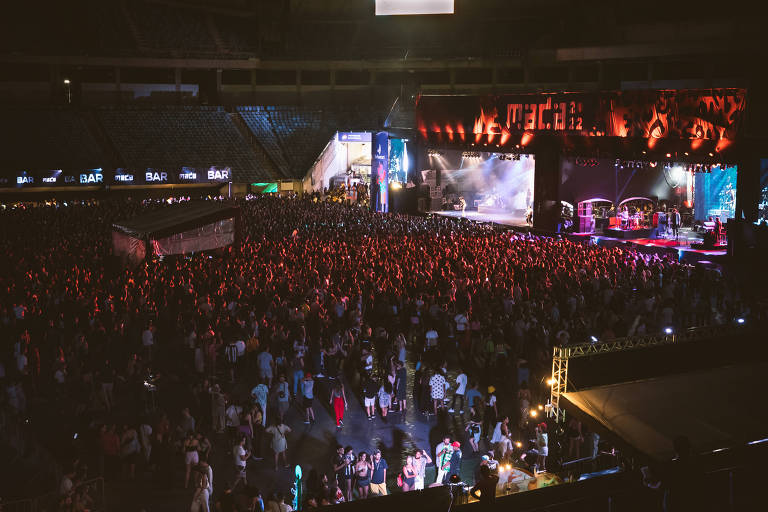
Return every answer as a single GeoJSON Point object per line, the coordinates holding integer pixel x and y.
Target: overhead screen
{"type": "Point", "coordinates": [399, 7]}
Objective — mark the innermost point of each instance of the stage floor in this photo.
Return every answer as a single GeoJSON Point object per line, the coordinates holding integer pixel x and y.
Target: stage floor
{"type": "Point", "coordinates": [682, 244]}
{"type": "Point", "coordinates": [507, 218]}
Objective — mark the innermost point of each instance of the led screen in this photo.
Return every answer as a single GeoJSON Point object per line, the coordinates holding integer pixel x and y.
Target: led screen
{"type": "Point", "coordinates": [487, 182]}
{"type": "Point", "coordinates": [762, 213]}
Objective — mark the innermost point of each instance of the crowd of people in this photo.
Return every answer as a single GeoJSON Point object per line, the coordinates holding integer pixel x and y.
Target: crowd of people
{"type": "Point", "coordinates": [162, 366]}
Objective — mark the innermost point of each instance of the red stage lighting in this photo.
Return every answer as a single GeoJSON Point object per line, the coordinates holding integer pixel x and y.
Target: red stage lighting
{"type": "Point", "coordinates": [526, 139]}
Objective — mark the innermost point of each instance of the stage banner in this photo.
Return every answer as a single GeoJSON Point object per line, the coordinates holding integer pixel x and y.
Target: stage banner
{"type": "Point", "coordinates": [709, 114]}
{"type": "Point", "coordinates": [380, 173]}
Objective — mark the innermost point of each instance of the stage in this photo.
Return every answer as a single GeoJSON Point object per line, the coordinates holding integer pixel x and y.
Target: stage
{"type": "Point", "coordinates": [629, 234]}
{"type": "Point", "coordinates": [683, 246]}
{"type": "Point", "coordinates": [506, 218]}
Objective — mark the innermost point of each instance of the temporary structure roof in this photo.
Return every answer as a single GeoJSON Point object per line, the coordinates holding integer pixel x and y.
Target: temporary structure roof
{"type": "Point", "coordinates": [167, 221]}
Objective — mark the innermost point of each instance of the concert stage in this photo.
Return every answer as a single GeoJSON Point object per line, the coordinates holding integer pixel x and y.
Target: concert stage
{"type": "Point", "coordinates": [504, 218]}
{"type": "Point", "coordinates": [628, 234]}
{"type": "Point", "coordinates": [683, 246]}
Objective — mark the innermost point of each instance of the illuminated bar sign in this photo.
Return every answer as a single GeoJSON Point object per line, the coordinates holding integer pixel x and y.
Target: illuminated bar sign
{"type": "Point", "coordinates": [92, 177]}
{"type": "Point", "coordinates": [709, 114]}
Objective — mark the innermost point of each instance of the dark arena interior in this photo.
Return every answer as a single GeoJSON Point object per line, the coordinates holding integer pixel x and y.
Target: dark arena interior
{"type": "Point", "coordinates": [274, 255]}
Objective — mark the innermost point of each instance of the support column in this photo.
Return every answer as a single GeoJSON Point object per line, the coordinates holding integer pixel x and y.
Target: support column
{"type": "Point", "coordinates": [298, 87]}
{"type": "Point", "coordinates": [333, 86]}
{"type": "Point", "coordinates": [218, 87]}
{"type": "Point", "coordinates": [177, 83]}
{"type": "Point", "coordinates": [372, 86]}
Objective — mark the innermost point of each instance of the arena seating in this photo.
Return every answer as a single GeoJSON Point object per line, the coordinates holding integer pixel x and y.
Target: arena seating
{"type": "Point", "coordinates": [270, 142]}
{"type": "Point", "coordinates": [294, 136]}
{"type": "Point", "coordinates": [196, 137]}
{"type": "Point", "coordinates": [38, 139]}
{"type": "Point", "coordinates": [257, 120]}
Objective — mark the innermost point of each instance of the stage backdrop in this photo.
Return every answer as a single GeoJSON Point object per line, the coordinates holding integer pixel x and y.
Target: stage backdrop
{"type": "Point", "coordinates": [591, 179]}
{"type": "Point", "coordinates": [711, 114]}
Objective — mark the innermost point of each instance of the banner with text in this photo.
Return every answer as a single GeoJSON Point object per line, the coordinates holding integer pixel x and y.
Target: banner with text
{"type": "Point", "coordinates": [709, 114]}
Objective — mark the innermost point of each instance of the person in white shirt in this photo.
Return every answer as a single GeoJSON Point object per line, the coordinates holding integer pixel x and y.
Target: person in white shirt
{"type": "Point", "coordinates": [461, 388]}
{"type": "Point", "coordinates": [431, 338]}
{"type": "Point", "coordinates": [148, 340]}
{"type": "Point", "coordinates": [241, 456]}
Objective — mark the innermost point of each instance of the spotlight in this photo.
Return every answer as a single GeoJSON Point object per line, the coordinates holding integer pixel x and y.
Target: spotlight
{"type": "Point", "coordinates": [508, 467]}
{"type": "Point", "coordinates": [740, 320]}
{"type": "Point", "coordinates": [668, 330]}
{"type": "Point", "coordinates": [593, 338]}
{"type": "Point", "coordinates": [686, 153]}
{"type": "Point", "coordinates": [711, 154]}
{"type": "Point", "coordinates": [669, 155]}
{"type": "Point", "coordinates": [551, 382]}
{"type": "Point", "coordinates": [534, 413]}
{"type": "Point", "coordinates": [518, 444]}
{"type": "Point", "coordinates": [541, 407]}
{"type": "Point", "coordinates": [66, 81]}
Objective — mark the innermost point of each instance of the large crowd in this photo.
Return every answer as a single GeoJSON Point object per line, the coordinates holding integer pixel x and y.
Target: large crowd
{"type": "Point", "coordinates": [321, 301]}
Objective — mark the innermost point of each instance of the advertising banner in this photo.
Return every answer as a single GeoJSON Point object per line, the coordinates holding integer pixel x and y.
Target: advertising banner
{"type": "Point", "coordinates": [709, 114]}
{"type": "Point", "coordinates": [380, 173]}
{"type": "Point", "coordinates": [120, 176]}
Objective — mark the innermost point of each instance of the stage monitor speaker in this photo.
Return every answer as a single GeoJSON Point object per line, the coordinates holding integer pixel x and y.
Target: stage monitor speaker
{"type": "Point", "coordinates": [586, 224]}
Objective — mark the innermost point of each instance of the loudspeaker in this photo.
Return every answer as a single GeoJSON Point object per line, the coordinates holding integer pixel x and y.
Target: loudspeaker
{"type": "Point", "coordinates": [546, 197]}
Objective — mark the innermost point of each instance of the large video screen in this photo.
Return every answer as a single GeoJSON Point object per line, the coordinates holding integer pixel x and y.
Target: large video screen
{"type": "Point", "coordinates": [485, 182]}
{"type": "Point", "coordinates": [715, 193]}
{"type": "Point", "coordinates": [398, 7]}
{"type": "Point", "coordinates": [762, 211]}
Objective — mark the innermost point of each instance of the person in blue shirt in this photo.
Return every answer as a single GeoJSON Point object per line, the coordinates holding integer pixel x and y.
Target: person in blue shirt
{"type": "Point", "coordinates": [473, 395]}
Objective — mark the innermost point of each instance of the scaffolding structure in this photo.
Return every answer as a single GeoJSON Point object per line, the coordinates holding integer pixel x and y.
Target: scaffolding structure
{"type": "Point", "coordinates": [561, 356]}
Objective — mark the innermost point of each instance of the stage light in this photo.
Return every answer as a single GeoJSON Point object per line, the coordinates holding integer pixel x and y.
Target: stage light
{"type": "Point", "coordinates": [66, 81]}
{"type": "Point", "coordinates": [541, 407]}
{"type": "Point", "coordinates": [740, 320]}
{"type": "Point", "coordinates": [508, 467]}
{"type": "Point", "coordinates": [534, 413]}
{"type": "Point", "coordinates": [593, 338]}
{"type": "Point", "coordinates": [668, 330]}
{"type": "Point", "coordinates": [669, 155]}
{"type": "Point", "coordinates": [677, 173]}
{"type": "Point", "coordinates": [519, 444]}
{"type": "Point", "coordinates": [686, 153]}
{"type": "Point", "coordinates": [711, 154]}
{"type": "Point", "coordinates": [396, 185]}
{"type": "Point", "coordinates": [551, 382]}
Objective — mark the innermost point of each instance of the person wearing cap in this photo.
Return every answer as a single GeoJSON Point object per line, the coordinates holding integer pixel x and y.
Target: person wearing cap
{"type": "Point", "coordinates": [491, 412]}
{"type": "Point", "coordinates": [308, 395]}
{"type": "Point", "coordinates": [454, 465]}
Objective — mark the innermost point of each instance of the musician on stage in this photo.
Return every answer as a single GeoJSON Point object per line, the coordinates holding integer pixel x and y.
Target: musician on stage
{"type": "Point", "coordinates": [674, 222]}
{"type": "Point", "coordinates": [662, 223]}
{"type": "Point", "coordinates": [463, 204]}
{"type": "Point", "coordinates": [624, 217]}
{"type": "Point", "coordinates": [529, 216]}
